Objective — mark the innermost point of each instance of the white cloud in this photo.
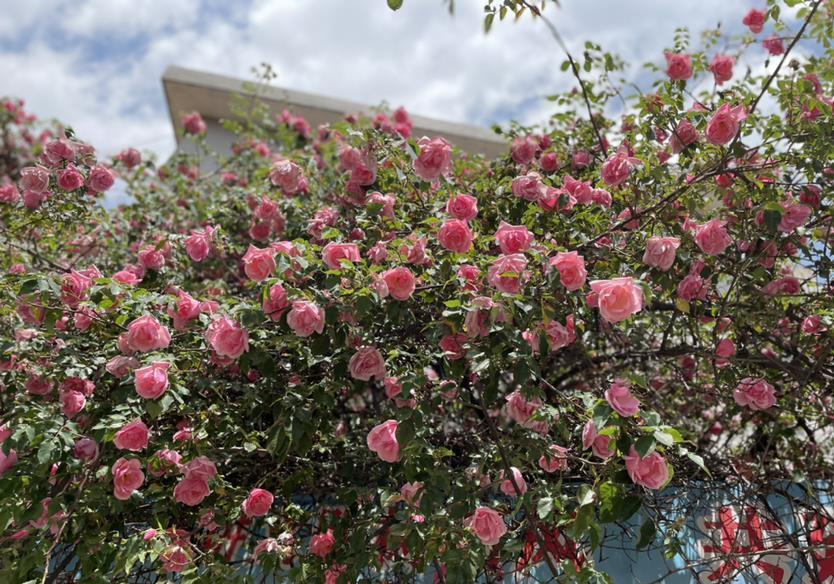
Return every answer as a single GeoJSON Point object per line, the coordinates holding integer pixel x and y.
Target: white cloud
{"type": "Point", "coordinates": [128, 17]}
{"type": "Point", "coordinates": [420, 57]}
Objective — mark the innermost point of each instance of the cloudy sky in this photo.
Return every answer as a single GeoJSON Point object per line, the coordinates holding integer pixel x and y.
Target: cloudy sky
{"type": "Point", "coordinates": [97, 64]}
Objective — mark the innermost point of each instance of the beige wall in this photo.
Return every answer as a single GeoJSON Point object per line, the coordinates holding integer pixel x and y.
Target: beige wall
{"type": "Point", "coordinates": [187, 90]}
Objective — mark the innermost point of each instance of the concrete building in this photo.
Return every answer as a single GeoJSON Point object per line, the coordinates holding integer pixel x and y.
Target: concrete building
{"type": "Point", "coordinates": [187, 90]}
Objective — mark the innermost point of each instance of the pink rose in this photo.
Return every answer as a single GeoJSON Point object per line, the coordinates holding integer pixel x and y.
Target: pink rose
{"type": "Point", "coordinates": [322, 544]}
{"type": "Point", "coordinates": [378, 253]}
{"type": "Point", "coordinates": [620, 399]}
{"type": "Point", "coordinates": [164, 460]}
{"type": "Point", "coordinates": [618, 167]}
{"type": "Point", "coordinates": [201, 467]}
{"type": "Point", "coordinates": [650, 472]}
{"type": "Point", "coordinates": [130, 157]}
{"type": "Point", "coordinates": [147, 334]}
{"type": "Point", "coordinates": [198, 246]}
{"type": "Point", "coordinates": [549, 162]}
{"type": "Point", "coordinates": [70, 179]}
{"type": "Point", "coordinates": [193, 123]}
{"type": "Point", "coordinates": [693, 286]}
{"type": "Point", "coordinates": [684, 135]}
{"type": "Point", "coordinates": [385, 202]}
{"type": "Point", "coordinates": [455, 235]}
{"type": "Point", "coordinates": [487, 524]}
{"type": "Point", "coordinates": [722, 68]}
{"type": "Point", "coordinates": [524, 149]}
{"type": "Point", "coordinates": [132, 436]}
{"type": "Point", "coordinates": [724, 124]}
{"type": "Point", "coordinates": [528, 187]}
{"type": "Point", "coordinates": [601, 445]}
{"type": "Point", "coordinates": [513, 238]}
{"type": "Point", "coordinates": [276, 303]}
{"type": "Point", "coordinates": [152, 258]}
{"type": "Point", "coordinates": [756, 394]}
{"type": "Point", "coordinates": [227, 338]}
{"type": "Point", "coordinates": [678, 66]}
{"type": "Point", "coordinates": [127, 477]}
{"type": "Point", "coordinates": [794, 216]}
{"type": "Point", "coordinates": [334, 253]}
{"type": "Point", "coordinates": [85, 449]}
{"type": "Point", "coordinates": [660, 252]}
{"type": "Point", "coordinates": [618, 299]}
{"type": "Point", "coordinates": [305, 318]}
{"type": "Point", "coordinates": [712, 237]}
{"type": "Point", "coordinates": [152, 380]}
{"type": "Point", "coordinates": [59, 150]}
{"type": "Point", "coordinates": [37, 385]}
{"type": "Point", "coordinates": [476, 323]}
{"type": "Point", "coordinates": [400, 282]}
{"type": "Point", "coordinates": [434, 159]}
{"type": "Point", "coordinates": [74, 288]}
{"type": "Point", "coordinates": [121, 366]}
{"type": "Point", "coordinates": [773, 45]}
{"type": "Point", "coordinates": [571, 268]}
{"type": "Point", "coordinates": [781, 286]}
{"type": "Point", "coordinates": [100, 179]}
{"type": "Point", "coordinates": [560, 335]}
{"type": "Point", "coordinates": [509, 489]}
{"type": "Point", "coordinates": [412, 493]}
{"type": "Point", "coordinates": [72, 402]}
{"type": "Point", "coordinates": [463, 207]}
{"type": "Point", "coordinates": [259, 263]}
{"type": "Point", "coordinates": [191, 491]}
{"type": "Point", "coordinates": [258, 503]}
{"type": "Point", "coordinates": [724, 351]}
{"type": "Point", "coordinates": [175, 558]}
{"type": "Point", "coordinates": [813, 325]}
{"type": "Point", "coordinates": [289, 176]}
{"type": "Point", "coordinates": [507, 273]}
{"type": "Point", "coordinates": [453, 346]}
{"type": "Point", "coordinates": [268, 545]}
{"type": "Point", "coordinates": [417, 253]}
{"type": "Point", "coordinates": [187, 309]}
{"type": "Point", "coordinates": [755, 20]}
{"type": "Point", "coordinates": [7, 461]}
{"type": "Point", "coordinates": [558, 459]}
{"type": "Point", "coordinates": [366, 363]}
{"type": "Point", "coordinates": [520, 409]}
{"type": "Point", "coordinates": [382, 439]}
{"type": "Point", "coordinates": [581, 159]}
{"type": "Point", "coordinates": [393, 387]}
{"type": "Point", "coordinates": [34, 179]}
{"type": "Point", "coordinates": [470, 275]}
{"type": "Point", "coordinates": [9, 194]}
{"type": "Point", "coordinates": [33, 200]}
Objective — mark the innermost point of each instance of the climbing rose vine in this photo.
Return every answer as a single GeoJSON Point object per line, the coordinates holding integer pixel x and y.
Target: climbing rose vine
{"type": "Point", "coordinates": [354, 353]}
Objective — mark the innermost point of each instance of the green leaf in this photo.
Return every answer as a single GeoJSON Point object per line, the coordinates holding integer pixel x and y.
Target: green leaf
{"type": "Point", "coordinates": [488, 22]}
{"type": "Point", "coordinates": [772, 219]}
{"type": "Point", "coordinates": [544, 507]}
{"type": "Point", "coordinates": [645, 445]}
{"type": "Point", "coordinates": [586, 495]}
{"type": "Point", "coordinates": [664, 438]}
{"type": "Point", "coordinates": [406, 432]}
{"type": "Point", "coordinates": [395, 4]}
{"type": "Point", "coordinates": [45, 451]}
{"type": "Point", "coordinates": [699, 460]}
{"type": "Point", "coordinates": [615, 505]}
{"type": "Point", "coordinates": [647, 532]}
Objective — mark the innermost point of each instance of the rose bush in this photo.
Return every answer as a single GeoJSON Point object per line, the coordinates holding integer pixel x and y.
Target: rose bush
{"type": "Point", "coordinates": [460, 360]}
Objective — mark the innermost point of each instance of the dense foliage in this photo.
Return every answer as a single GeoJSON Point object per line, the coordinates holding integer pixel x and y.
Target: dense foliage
{"type": "Point", "coordinates": [357, 353]}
